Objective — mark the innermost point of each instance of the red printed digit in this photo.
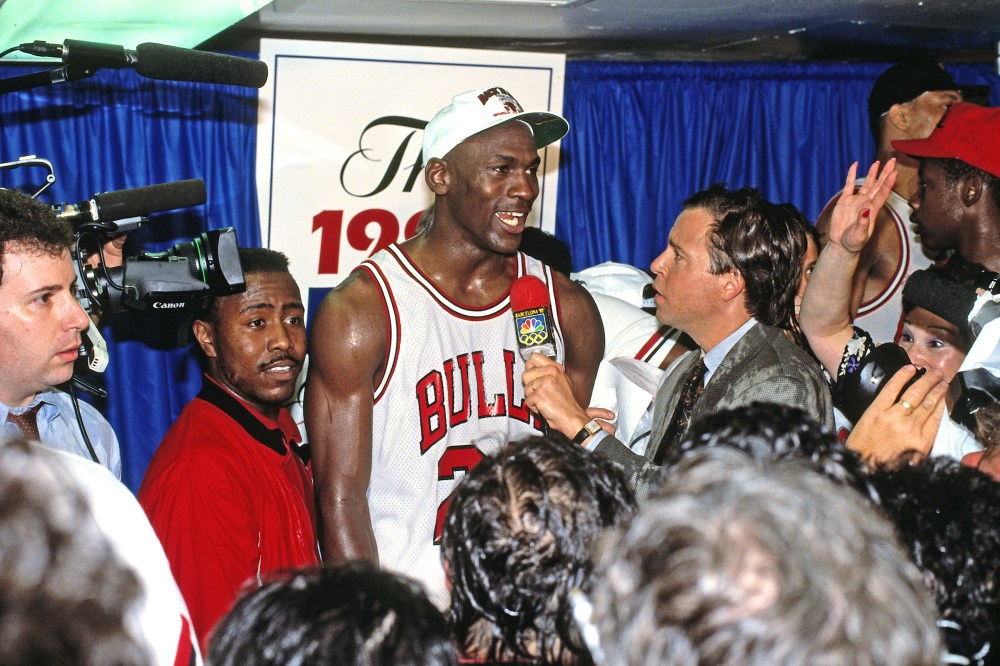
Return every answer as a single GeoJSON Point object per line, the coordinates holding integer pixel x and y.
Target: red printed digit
{"type": "Point", "coordinates": [357, 230]}
{"type": "Point", "coordinates": [329, 224]}
{"type": "Point", "coordinates": [455, 459]}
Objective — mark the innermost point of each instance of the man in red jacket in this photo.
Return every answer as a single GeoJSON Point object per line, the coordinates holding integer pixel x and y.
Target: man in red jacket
{"type": "Point", "coordinates": [228, 492]}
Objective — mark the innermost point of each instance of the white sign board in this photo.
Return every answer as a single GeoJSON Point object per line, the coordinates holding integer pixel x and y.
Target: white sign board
{"type": "Point", "coordinates": [339, 164]}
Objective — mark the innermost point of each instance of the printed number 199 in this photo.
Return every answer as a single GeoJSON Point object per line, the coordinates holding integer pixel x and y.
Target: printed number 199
{"type": "Point", "coordinates": [330, 224]}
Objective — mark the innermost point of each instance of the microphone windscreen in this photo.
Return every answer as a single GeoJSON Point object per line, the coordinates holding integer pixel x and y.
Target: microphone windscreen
{"type": "Point", "coordinates": [122, 204]}
{"type": "Point", "coordinates": [529, 301]}
{"type": "Point", "coordinates": [527, 292]}
{"type": "Point", "coordinates": [172, 63]}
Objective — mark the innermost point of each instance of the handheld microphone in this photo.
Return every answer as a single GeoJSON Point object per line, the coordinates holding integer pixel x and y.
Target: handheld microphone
{"type": "Point", "coordinates": [154, 61]}
{"type": "Point", "coordinates": [529, 301]}
{"type": "Point", "coordinates": [134, 203]}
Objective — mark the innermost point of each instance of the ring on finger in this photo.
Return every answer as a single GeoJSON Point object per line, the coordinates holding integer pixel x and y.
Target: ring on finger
{"type": "Point", "coordinates": [907, 406]}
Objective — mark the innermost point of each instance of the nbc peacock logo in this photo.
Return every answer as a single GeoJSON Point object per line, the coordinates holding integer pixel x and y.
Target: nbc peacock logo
{"type": "Point", "coordinates": [531, 330]}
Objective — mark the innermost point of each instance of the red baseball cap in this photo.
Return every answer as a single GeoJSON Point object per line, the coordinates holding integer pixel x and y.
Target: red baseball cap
{"type": "Point", "coordinates": [967, 132]}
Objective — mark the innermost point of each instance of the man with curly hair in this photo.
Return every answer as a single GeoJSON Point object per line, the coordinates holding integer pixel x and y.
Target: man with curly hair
{"type": "Point", "coordinates": [67, 596]}
{"type": "Point", "coordinates": [516, 543]}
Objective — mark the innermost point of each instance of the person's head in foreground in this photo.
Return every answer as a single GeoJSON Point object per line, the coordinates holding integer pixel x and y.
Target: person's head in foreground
{"type": "Point", "coordinates": [768, 433]}
{"type": "Point", "coordinates": [348, 615]}
{"type": "Point", "coordinates": [736, 563]}
{"type": "Point", "coordinates": [64, 595]}
{"type": "Point", "coordinates": [945, 515]}
{"type": "Point", "coordinates": [517, 541]}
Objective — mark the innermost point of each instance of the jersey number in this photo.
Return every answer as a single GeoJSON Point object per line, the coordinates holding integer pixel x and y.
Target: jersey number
{"type": "Point", "coordinates": [455, 459]}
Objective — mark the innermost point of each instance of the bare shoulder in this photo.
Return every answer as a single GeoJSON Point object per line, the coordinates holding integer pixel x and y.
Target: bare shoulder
{"type": "Point", "coordinates": [573, 296]}
{"type": "Point", "coordinates": [583, 334]}
{"type": "Point", "coordinates": [578, 309]}
{"type": "Point", "coordinates": [349, 324]}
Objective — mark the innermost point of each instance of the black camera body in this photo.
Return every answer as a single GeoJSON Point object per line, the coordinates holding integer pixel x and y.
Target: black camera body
{"type": "Point", "coordinates": [857, 390]}
{"type": "Point", "coordinates": [181, 280]}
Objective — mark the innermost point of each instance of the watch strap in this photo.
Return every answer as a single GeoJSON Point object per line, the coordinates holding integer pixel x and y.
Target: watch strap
{"type": "Point", "coordinates": [589, 428]}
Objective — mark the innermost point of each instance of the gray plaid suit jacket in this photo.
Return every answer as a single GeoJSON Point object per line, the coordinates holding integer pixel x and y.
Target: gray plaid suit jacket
{"type": "Point", "coordinates": [764, 366]}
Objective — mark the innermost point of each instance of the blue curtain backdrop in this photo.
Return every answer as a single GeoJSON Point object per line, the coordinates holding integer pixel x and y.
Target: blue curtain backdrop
{"type": "Point", "coordinates": [116, 131]}
{"type": "Point", "coordinates": [643, 137]}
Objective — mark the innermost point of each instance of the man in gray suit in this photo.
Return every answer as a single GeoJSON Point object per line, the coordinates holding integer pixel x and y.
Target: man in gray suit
{"type": "Point", "coordinates": [728, 279]}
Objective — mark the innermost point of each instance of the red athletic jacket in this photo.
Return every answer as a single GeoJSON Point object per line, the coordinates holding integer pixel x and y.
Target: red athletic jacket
{"type": "Point", "coordinates": [230, 499]}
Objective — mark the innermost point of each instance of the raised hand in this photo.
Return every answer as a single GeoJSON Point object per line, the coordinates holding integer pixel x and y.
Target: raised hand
{"type": "Point", "coordinates": [853, 219]}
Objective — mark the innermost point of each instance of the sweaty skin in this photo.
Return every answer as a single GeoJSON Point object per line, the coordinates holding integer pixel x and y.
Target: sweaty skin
{"type": "Point", "coordinates": [484, 189]}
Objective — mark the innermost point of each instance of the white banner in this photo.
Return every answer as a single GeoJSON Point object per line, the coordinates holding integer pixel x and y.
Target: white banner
{"type": "Point", "coordinates": [339, 164]}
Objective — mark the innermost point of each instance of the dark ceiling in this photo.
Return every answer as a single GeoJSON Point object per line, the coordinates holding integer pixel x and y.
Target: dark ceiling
{"type": "Point", "coordinates": [954, 30]}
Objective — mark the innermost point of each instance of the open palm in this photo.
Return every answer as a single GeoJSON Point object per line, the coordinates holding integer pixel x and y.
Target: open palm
{"type": "Point", "coordinates": [853, 220]}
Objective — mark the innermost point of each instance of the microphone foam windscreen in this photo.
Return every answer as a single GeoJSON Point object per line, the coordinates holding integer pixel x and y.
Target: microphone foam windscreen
{"type": "Point", "coordinates": [122, 204]}
{"type": "Point", "coordinates": [172, 63]}
{"type": "Point", "coordinates": [528, 292]}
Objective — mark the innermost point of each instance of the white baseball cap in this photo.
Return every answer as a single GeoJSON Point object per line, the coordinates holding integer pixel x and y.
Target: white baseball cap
{"type": "Point", "coordinates": [622, 281]}
{"type": "Point", "coordinates": [473, 111]}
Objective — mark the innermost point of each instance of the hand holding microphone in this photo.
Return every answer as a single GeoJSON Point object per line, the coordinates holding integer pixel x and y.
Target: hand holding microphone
{"type": "Point", "coordinates": [547, 388]}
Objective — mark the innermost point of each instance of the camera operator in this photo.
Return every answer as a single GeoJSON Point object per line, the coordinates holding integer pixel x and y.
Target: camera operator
{"type": "Point", "coordinates": [41, 325]}
{"type": "Point", "coordinates": [229, 491]}
{"type": "Point", "coordinates": [936, 335]}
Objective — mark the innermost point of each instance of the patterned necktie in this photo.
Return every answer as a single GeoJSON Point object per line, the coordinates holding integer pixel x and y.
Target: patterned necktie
{"type": "Point", "coordinates": [27, 422]}
{"type": "Point", "coordinates": [682, 414]}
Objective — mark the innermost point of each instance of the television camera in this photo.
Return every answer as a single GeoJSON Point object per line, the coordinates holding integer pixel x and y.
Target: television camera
{"type": "Point", "coordinates": [180, 281]}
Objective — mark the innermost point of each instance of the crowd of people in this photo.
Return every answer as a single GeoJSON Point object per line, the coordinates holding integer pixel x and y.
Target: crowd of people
{"type": "Point", "coordinates": [784, 471]}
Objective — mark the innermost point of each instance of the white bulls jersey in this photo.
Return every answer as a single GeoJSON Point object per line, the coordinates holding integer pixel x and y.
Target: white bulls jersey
{"type": "Point", "coordinates": [882, 315]}
{"type": "Point", "coordinates": [451, 392]}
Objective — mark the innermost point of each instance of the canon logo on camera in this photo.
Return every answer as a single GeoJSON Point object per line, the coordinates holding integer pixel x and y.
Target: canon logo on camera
{"type": "Point", "coordinates": [167, 306]}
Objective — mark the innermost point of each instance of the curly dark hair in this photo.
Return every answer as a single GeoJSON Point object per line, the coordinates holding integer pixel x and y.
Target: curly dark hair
{"type": "Point", "coordinates": [517, 540]}
{"type": "Point", "coordinates": [771, 432]}
{"type": "Point", "coordinates": [945, 514]}
{"type": "Point", "coordinates": [762, 241]}
{"type": "Point", "coordinates": [351, 615]}
{"type": "Point", "coordinates": [64, 594]}
{"type": "Point", "coordinates": [30, 223]}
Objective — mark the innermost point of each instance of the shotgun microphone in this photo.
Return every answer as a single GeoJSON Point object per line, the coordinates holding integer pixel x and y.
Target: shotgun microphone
{"type": "Point", "coordinates": [110, 207]}
{"type": "Point", "coordinates": [529, 301]}
{"type": "Point", "coordinates": [154, 61]}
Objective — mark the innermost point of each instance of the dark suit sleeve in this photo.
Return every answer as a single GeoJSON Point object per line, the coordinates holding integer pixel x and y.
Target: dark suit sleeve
{"type": "Point", "coordinates": [640, 471]}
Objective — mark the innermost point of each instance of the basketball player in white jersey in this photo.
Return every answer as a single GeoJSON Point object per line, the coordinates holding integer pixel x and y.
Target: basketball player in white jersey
{"type": "Point", "coordinates": [907, 101]}
{"type": "Point", "coordinates": [415, 371]}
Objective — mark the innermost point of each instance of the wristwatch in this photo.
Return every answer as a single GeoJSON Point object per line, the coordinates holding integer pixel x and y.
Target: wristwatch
{"type": "Point", "coordinates": [591, 427]}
